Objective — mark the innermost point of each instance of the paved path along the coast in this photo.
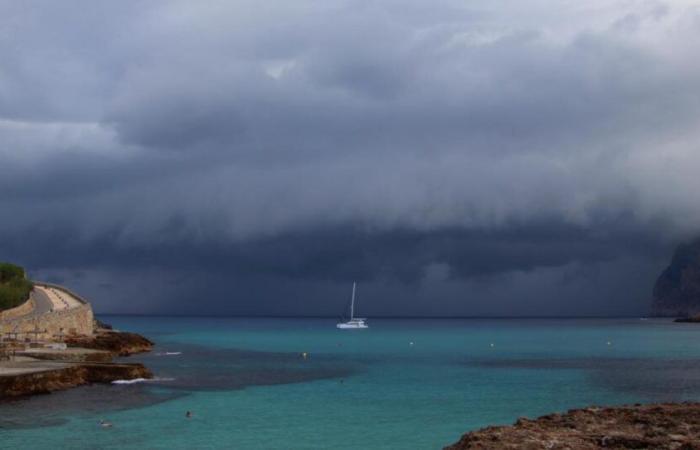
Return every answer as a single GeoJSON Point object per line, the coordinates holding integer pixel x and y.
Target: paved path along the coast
{"type": "Point", "coordinates": [42, 303]}
{"type": "Point", "coordinates": [48, 299]}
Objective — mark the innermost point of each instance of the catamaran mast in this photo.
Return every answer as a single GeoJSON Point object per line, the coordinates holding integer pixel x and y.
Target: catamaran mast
{"type": "Point", "coordinates": [352, 302]}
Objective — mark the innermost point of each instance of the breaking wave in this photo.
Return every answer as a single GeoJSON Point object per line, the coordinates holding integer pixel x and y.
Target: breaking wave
{"type": "Point", "coordinates": [142, 380]}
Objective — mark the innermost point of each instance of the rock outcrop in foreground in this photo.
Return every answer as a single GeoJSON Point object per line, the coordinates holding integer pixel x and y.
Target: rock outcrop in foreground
{"type": "Point", "coordinates": [662, 426]}
{"type": "Point", "coordinates": [677, 290]}
{"type": "Point", "coordinates": [46, 381]}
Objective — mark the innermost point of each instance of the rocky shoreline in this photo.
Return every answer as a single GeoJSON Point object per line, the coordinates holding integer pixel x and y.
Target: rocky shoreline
{"type": "Point", "coordinates": [87, 360]}
{"type": "Point", "coordinates": [657, 426]}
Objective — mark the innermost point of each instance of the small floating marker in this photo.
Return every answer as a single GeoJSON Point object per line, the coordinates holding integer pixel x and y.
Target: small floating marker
{"type": "Point", "coordinates": [304, 355]}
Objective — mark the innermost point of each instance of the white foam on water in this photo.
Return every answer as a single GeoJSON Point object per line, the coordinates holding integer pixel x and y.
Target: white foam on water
{"type": "Point", "coordinates": [135, 380]}
{"type": "Point", "coordinates": [142, 380]}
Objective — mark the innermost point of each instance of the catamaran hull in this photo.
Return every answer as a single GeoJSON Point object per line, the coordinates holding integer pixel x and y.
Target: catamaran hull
{"type": "Point", "coordinates": [345, 326]}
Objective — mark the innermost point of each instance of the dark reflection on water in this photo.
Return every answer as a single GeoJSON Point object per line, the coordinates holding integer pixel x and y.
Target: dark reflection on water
{"type": "Point", "coordinates": [203, 368]}
{"type": "Point", "coordinates": [51, 409]}
{"type": "Point", "coordinates": [195, 368]}
{"type": "Point", "coordinates": [660, 379]}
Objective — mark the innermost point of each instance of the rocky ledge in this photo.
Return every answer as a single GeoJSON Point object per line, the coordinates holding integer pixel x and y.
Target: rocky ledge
{"type": "Point", "coordinates": [46, 381]}
{"type": "Point", "coordinates": [119, 343]}
{"type": "Point", "coordinates": [661, 426]}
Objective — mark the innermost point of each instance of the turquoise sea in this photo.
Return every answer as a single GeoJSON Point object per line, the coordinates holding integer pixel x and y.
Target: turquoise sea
{"type": "Point", "coordinates": [402, 384]}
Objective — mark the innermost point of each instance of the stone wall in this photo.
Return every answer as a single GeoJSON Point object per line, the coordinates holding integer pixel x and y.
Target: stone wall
{"type": "Point", "coordinates": [21, 310]}
{"type": "Point", "coordinates": [52, 325]}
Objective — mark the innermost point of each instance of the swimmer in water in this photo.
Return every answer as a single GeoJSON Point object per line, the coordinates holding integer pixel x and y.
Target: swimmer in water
{"type": "Point", "coordinates": [105, 424]}
{"type": "Point", "coordinates": [188, 414]}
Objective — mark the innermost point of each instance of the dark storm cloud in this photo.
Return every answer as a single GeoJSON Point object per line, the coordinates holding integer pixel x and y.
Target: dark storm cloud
{"type": "Point", "coordinates": [427, 150]}
{"type": "Point", "coordinates": [342, 254]}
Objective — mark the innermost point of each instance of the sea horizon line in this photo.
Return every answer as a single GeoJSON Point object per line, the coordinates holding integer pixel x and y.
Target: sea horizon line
{"type": "Point", "coordinates": [260, 316]}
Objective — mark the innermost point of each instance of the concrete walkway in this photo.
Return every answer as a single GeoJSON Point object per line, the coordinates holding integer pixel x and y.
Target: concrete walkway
{"type": "Point", "coordinates": [24, 365]}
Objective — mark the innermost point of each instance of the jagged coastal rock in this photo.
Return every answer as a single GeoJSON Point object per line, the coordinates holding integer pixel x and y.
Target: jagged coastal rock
{"type": "Point", "coordinates": [118, 343]}
{"type": "Point", "coordinates": [662, 426]}
{"type": "Point", "coordinates": [677, 290]}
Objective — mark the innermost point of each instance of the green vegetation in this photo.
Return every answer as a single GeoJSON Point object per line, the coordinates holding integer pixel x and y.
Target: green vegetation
{"type": "Point", "coordinates": [14, 286]}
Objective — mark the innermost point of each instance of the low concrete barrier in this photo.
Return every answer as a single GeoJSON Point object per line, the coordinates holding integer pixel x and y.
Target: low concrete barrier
{"type": "Point", "coordinates": [61, 288]}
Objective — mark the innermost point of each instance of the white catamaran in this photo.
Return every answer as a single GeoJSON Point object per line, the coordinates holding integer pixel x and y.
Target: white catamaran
{"type": "Point", "coordinates": [354, 323]}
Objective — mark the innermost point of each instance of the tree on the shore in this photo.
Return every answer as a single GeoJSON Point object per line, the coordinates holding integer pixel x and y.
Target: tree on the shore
{"type": "Point", "coordinates": [14, 286]}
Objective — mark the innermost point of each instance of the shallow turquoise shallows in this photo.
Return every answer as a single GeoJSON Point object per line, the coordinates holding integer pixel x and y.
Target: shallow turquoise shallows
{"type": "Point", "coordinates": [402, 384]}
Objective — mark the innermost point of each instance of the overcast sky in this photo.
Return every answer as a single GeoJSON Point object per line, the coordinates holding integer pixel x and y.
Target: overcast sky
{"type": "Point", "coordinates": [245, 157]}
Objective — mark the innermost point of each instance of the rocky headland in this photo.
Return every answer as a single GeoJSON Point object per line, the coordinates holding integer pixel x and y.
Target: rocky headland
{"type": "Point", "coordinates": [660, 426]}
{"type": "Point", "coordinates": [693, 319]}
{"type": "Point", "coordinates": [49, 339]}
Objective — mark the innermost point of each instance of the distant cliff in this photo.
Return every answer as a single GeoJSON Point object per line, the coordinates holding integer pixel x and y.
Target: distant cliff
{"type": "Point", "coordinates": [677, 290]}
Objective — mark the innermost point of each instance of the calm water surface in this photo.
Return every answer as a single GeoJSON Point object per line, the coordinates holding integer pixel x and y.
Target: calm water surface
{"type": "Point", "coordinates": [402, 384]}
